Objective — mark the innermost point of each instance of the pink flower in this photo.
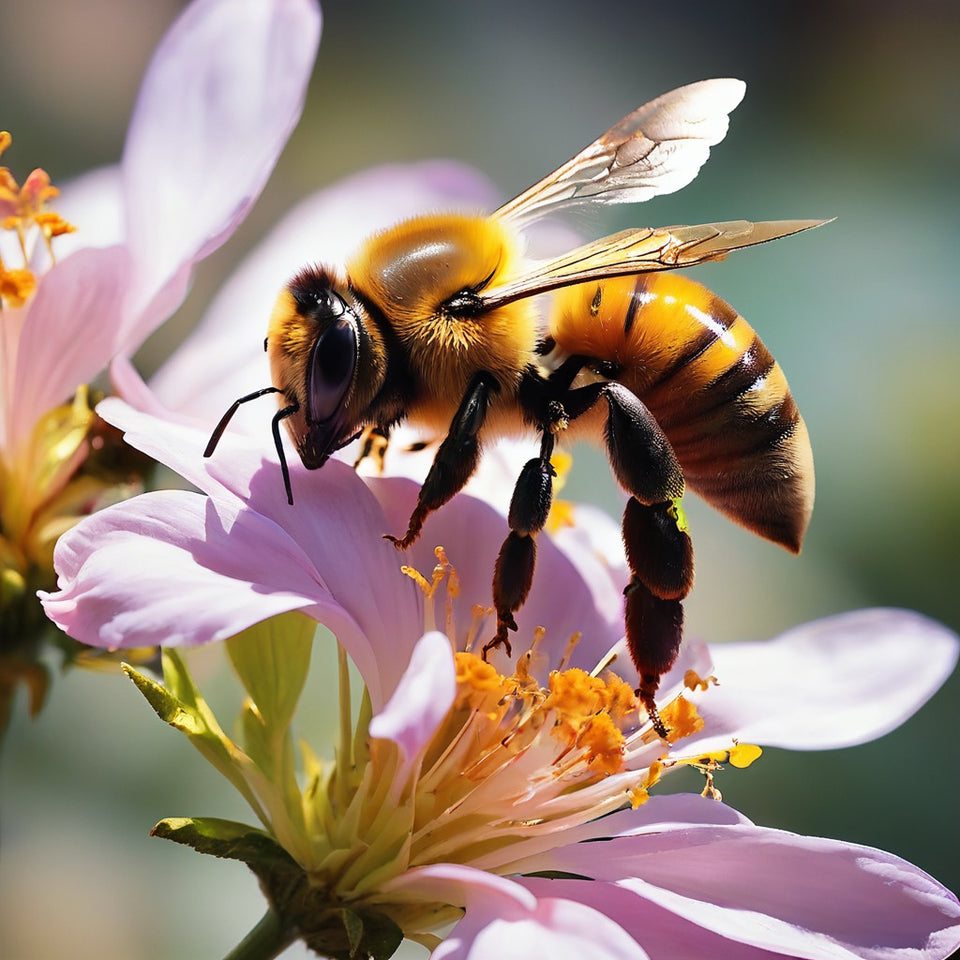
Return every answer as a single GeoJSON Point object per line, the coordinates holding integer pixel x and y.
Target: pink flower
{"type": "Point", "coordinates": [467, 786]}
{"type": "Point", "coordinates": [222, 93]}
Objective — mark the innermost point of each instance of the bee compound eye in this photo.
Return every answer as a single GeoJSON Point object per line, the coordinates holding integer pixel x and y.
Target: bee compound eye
{"type": "Point", "coordinates": [332, 367]}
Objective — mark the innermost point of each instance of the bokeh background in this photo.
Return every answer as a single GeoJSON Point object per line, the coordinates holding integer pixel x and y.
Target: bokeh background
{"type": "Point", "coordinates": [851, 112]}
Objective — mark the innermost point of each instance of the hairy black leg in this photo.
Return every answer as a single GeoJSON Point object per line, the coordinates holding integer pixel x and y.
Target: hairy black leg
{"type": "Point", "coordinates": [659, 549]}
{"type": "Point", "coordinates": [456, 459]}
{"type": "Point", "coordinates": [373, 443]}
{"type": "Point", "coordinates": [660, 555]}
{"type": "Point", "coordinates": [529, 508]}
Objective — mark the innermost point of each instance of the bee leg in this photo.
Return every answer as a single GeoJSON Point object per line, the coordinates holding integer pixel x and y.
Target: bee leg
{"type": "Point", "coordinates": [373, 443]}
{"type": "Point", "coordinates": [660, 555]}
{"type": "Point", "coordinates": [456, 459]}
{"type": "Point", "coordinates": [513, 573]}
{"type": "Point", "coordinates": [658, 546]}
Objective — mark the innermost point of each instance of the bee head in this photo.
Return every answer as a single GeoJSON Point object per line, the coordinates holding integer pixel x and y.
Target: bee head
{"type": "Point", "coordinates": [316, 342]}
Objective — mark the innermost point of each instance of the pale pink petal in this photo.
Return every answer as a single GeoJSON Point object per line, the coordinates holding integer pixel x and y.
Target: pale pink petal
{"type": "Point", "coordinates": [663, 934]}
{"type": "Point", "coordinates": [224, 359]}
{"type": "Point", "coordinates": [169, 568]}
{"type": "Point", "coordinates": [777, 891]}
{"type": "Point", "coordinates": [335, 522]}
{"type": "Point", "coordinates": [68, 335]}
{"type": "Point", "coordinates": [504, 921]}
{"type": "Point", "coordinates": [128, 384]}
{"type": "Point", "coordinates": [93, 203]}
{"type": "Point", "coordinates": [662, 813]}
{"type": "Point", "coordinates": [221, 96]}
{"type": "Point", "coordinates": [460, 885]}
{"type": "Point", "coordinates": [835, 682]}
{"type": "Point", "coordinates": [558, 928]}
{"type": "Point", "coordinates": [421, 698]}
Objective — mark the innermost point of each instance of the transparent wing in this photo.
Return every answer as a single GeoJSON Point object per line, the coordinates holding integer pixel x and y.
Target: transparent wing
{"type": "Point", "coordinates": [658, 148]}
{"type": "Point", "coordinates": [641, 251]}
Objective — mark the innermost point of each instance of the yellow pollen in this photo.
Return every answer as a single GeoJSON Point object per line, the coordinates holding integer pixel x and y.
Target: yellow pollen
{"type": "Point", "coordinates": [16, 286]}
{"type": "Point", "coordinates": [638, 796]}
{"type": "Point", "coordinates": [561, 511]}
{"type": "Point", "coordinates": [693, 681]}
{"type": "Point", "coordinates": [560, 516]}
{"type": "Point", "coordinates": [681, 718]}
{"type": "Point", "coordinates": [419, 579]}
{"type": "Point", "coordinates": [576, 694]}
{"type": "Point", "coordinates": [603, 742]}
{"type": "Point", "coordinates": [675, 510]}
{"type": "Point", "coordinates": [472, 671]}
{"type": "Point", "coordinates": [743, 754]}
{"type": "Point", "coordinates": [23, 207]}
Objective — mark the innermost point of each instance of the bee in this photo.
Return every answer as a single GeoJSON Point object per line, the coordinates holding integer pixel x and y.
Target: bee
{"type": "Point", "coordinates": [434, 321]}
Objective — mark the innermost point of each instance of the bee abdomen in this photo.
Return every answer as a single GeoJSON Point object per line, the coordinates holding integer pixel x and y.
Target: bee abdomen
{"type": "Point", "coordinates": [720, 397]}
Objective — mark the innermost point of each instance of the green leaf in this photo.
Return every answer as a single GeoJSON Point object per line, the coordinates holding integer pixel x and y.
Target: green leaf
{"type": "Point", "coordinates": [226, 839]}
{"type": "Point", "coordinates": [272, 658]}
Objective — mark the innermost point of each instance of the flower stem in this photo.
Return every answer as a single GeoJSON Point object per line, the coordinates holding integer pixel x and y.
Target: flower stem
{"type": "Point", "coordinates": [268, 939]}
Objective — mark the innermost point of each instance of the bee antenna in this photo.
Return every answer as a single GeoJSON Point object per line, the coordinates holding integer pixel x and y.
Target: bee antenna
{"type": "Point", "coordinates": [228, 416]}
{"type": "Point", "coordinates": [278, 416]}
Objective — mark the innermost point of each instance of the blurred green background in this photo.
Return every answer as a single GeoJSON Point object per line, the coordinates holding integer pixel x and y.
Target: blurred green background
{"type": "Point", "coordinates": [851, 112]}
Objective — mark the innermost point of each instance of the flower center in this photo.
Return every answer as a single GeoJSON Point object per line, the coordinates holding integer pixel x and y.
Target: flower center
{"type": "Point", "coordinates": [512, 764]}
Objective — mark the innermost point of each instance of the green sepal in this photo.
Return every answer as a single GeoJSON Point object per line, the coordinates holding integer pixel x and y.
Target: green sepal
{"type": "Point", "coordinates": [179, 704]}
{"type": "Point", "coordinates": [343, 933]}
{"type": "Point", "coordinates": [226, 839]}
{"type": "Point", "coordinates": [330, 928]}
{"type": "Point", "coordinates": [271, 659]}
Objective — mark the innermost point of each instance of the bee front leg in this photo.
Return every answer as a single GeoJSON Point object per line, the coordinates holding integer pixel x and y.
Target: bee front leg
{"type": "Point", "coordinates": [373, 443]}
{"type": "Point", "coordinates": [513, 573]}
{"type": "Point", "coordinates": [456, 460]}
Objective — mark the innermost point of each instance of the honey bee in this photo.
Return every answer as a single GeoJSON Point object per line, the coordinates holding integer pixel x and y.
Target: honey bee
{"type": "Point", "coordinates": [434, 321]}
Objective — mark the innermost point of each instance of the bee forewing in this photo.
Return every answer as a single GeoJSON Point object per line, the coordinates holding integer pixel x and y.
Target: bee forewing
{"type": "Point", "coordinates": [641, 251]}
{"type": "Point", "coordinates": [657, 149]}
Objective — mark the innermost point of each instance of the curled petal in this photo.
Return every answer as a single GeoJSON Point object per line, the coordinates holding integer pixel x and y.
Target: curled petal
{"type": "Point", "coordinates": [168, 568]}
{"type": "Point", "coordinates": [505, 921]}
{"type": "Point", "coordinates": [421, 698]}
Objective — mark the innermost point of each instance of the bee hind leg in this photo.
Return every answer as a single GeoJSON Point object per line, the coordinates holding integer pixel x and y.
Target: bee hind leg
{"type": "Point", "coordinates": [456, 459]}
{"type": "Point", "coordinates": [658, 546]}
